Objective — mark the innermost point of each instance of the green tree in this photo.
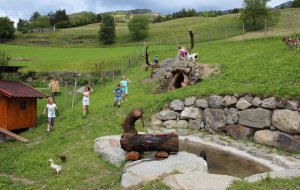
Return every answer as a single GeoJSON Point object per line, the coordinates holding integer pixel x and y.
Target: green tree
{"type": "Point", "coordinates": [7, 30]}
{"type": "Point", "coordinates": [35, 15]}
{"type": "Point", "coordinates": [254, 12]}
{"type": "Point", "coordinates": [4, 58]}
{"type": "Point", "coordinates": [107, 32]}
{"type": "Point", "coordinates": [23, 25]}
{"type": "Point", "coordinates": [59, 18]}
{"type": "Point", "coordinates": [138, 27]}
{"type": "Point", "coordinates": [296, 3]}
{"type": "Point", "coordinates": [40, 22]}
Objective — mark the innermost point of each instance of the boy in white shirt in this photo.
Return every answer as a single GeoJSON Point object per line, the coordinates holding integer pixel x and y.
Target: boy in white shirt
{"type": "Point", "coordinates": [51, 109]}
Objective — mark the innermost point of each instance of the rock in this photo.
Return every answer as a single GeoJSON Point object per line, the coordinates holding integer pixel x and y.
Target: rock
{"type": "Point", "coordinates": [232, 116]}
{"type": "Point", "coordinates": [215, 119]}
{"type": "Point", "coordinates": [272, 128]}
{"type": "Point", "coordinates": [195, 124]}
{"type": "Point", "coordinates": [110, 150]}
{"type": "Point", "coordinates": [148, 170]}
{"type": "Point", "coordinates": [167, 115]}
{"type": "Point", "coordinates": [266, 137]}
{"type": "Point", "coordinates": [282, 104]}
{"type": "Point", "coordinates": [243, 104]}
{"type": "Point", "coordinates": [199, 181]}
{"type": "Point", "coordinates": [155, 122]}
{"type": "Point", "coordinates": [256, 102]}
{"type": "Point", "coordinates": [201, 103]}
{"type": "Point", "coordinates": [292, 105]}
{"type": "Point", "coordinates": [190, 101]}
{"type": "Point", "coordinates": [257, 118]}
{"type": "Point", "coordinates": [270, 103]}
{"type": "Point", "coordinates": [215, 101]}
{"type": "Point", "coordinates": [177, 105]}
{"type": "Point", "coordinates": [283, 174]}
{"type": "Point", "coordinates": [287, 121]}
{"type": "Point", "coordinates": [184, 132]}
{"type": "Point", "coordinates": [249, 98]}
{"type": "Point", "coordinates": [229, 100]}
{"type": "Point", "coordinates": [176, 124]}
{"type": "Point", "coordinates": [288, 142]}
{"type": "Point", "coordinates": [239, 132]}
{"type": "Point", "coordinates": [190, 113]}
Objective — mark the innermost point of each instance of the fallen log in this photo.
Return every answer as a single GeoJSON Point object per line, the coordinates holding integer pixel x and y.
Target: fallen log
{"type": "Point", "coordinates": [143, 143]}
{"type": "Point", "coordinates": [132, 141]}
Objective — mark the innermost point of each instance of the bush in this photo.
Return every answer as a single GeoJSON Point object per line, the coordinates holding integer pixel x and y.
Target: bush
{"type": "Point", "coordinates": [7, 30]}
{"type": "Point", "coordinates": [107, 32]}
{"type": "Point", "coordinates": [4, 58]}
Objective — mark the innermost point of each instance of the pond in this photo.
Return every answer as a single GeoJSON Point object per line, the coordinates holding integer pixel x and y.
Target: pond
{"type": "Point", "coordinates": [221, 162]}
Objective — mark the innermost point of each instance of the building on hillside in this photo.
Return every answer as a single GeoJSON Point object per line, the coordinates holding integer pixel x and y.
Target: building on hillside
{"type": "Point", "coordinates": [18, 105]}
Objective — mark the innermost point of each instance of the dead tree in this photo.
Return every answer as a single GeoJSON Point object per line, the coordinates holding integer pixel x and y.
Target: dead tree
{"type": "Point", "coordinates": [131, 141]}
{"type": "Point", "coordinates": [149, 63]}
{"type": "Point", "coordinates": [192, 40]}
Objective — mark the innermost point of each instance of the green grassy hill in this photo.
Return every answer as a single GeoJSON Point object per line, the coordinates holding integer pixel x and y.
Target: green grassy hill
{"type": "Point", "coordinates": [256, 66]}
{"type": "Point", "coordinates": [205, 29]}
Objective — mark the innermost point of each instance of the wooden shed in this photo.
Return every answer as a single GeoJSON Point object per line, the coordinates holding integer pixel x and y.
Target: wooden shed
{"type": "Point", "coordinates": [18, 105]}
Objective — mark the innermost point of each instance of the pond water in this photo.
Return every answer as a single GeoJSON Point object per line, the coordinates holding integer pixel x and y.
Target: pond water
{"type": "Point", "coordinates": [220, 162]}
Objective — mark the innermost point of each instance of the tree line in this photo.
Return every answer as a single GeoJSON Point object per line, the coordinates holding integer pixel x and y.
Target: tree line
{"type": "Point", "coordinates": [57, 19]}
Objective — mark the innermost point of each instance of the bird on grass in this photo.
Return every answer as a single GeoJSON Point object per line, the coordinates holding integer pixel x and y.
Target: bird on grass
{"type": "Point", "coordinates": [56, 167]}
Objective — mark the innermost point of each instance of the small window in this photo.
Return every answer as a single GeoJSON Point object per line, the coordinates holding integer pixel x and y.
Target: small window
{"type": "Point", "coordinates": [23, 105]}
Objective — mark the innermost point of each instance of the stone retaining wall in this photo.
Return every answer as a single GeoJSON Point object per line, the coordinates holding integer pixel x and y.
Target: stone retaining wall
{"type": "Point", "coordinates": [270, 121]}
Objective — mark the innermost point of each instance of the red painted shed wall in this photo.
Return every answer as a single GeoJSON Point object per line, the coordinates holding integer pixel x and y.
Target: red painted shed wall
{"type": "Point", "coordinates": [3, 112]}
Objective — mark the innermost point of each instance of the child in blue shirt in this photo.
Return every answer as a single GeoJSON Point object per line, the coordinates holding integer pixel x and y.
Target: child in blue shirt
{"type": "Point", "coordinates": [118, 95]}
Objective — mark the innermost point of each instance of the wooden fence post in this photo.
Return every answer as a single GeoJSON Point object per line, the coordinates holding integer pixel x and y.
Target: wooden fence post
{"type": "Point", "coordinates": [129, 62]}
{"type": "Point", "coordinates": [74, 92]}
{"type": "Point", "coordinates": [265, 28]}
{"type": "Point", "coordinates": [243, 31]}
{"type": "Point", "coordinates": [113, 73]}
{"type": "Point", "coordinates": [294, 25]}
{"type": "Point", "coordinates": [66, 93]}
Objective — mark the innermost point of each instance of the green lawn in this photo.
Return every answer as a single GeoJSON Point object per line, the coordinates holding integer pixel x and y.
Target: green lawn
{"type": "Point", "coordinates": [256, 67]}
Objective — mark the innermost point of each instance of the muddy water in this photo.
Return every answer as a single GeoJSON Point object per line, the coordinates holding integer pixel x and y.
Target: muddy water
{"type": "Point", "coordinates": [220, 162]}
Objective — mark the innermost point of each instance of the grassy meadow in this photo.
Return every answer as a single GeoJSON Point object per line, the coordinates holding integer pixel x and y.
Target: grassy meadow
{"type": "Point", "coordinates": [255, 66]}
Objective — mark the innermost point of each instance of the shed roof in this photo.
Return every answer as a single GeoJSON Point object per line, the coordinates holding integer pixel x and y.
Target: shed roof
{"type": "Point", "coordinates": [19, 90]}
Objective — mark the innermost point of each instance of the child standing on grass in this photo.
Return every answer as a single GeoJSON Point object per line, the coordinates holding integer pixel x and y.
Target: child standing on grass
{"type": "Point", "coordinates": [85, 101]}
{"type": "Point", "coordinates": [118, 95]}
{"type": "Point", "coordinates": [51, 108]}
{"type": "Point", "coordinates": [124, 84]}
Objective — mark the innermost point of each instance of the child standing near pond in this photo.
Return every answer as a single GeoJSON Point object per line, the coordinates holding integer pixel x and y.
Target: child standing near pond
{"type": "Point", "coordinates": [51, 108]}
{"type": "Point", "coordinates": [118, 95]}
{"type": "Point", "coordinates": [85, 101]}
{"type": "Point", "coordinates": [124, 84]}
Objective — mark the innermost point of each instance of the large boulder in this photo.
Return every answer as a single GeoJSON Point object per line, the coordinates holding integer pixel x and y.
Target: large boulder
{"type": "Point", "coordinates": [287, 121]}
{"type": "Point", "coordinates": [257, 118]}
{"type": "Point", "coordinates": [148, 170]}
{"type": "Point", "coordinates": [232, 116]}
{"type": "Point", "coordinates": [109, 149]}
{"type": "Point", "coordinates": [283, 174]}
{"type": "Point", "coordinates": [267, 137]}
{"type": "Point", "coordinates": [201, 103]}
{"type": "Point", "coordinates": [190, 113]}
{"type": "Point", "coordinates": [243, 104]}
{"type": "Point", "coordinates": [167, 115]}
{"type": "Point", "coordinates": [177, 105]}
{"type": "Point", "coordinates": [190, 101]}
{"type": "Point", "coordinates": [199, 181]}
{"type": "Point", "coordinates": [215, 101]}
{"type": "Point", "coordinates": [155, 122]}
{"type": "Point", "coordinates": [229, 100]}
{"type": "Point", "coordinates": [239, 132]}
{"type": "Point", "coordinates": [270, 103]}
{"type": "Point", "coordinates": [215, 119]}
